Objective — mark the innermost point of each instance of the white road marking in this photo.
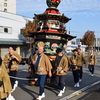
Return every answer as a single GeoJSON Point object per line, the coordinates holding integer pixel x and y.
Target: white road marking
{"type": "Point", "coordinates": [79, 91]}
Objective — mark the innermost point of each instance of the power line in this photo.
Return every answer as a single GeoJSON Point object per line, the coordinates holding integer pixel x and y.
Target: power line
{"type": "Point", "coordinates": [97, 31]}
{"type": "Point", "coordinates": [77, 32]}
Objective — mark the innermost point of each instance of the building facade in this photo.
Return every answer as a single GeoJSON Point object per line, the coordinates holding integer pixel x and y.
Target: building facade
{"type": "Point", "coordinates": [8, 6]}
{"type": "Point", "coordinates": [72, 45]}
{"type": "Point", "coordinates": [78, 40]}
{"type": "Point", "coordinates": [96, 44]}
{"type": "Point", "coordinates": [10, 29]}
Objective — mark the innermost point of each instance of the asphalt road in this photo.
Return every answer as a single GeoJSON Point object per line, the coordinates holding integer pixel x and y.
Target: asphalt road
{"type": "Point", "coordinates": [26, 92]}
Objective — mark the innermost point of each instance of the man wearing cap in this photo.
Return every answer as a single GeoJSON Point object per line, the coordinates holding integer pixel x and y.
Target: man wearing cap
{"type": "Point", "coordinates": [42, 66]}
{"type": "Point", "coordinates": [75, 65]}
{"type": "Point", "coordinates": [81, 60]}
{"type": "Point", "coordinates": [61, 64]}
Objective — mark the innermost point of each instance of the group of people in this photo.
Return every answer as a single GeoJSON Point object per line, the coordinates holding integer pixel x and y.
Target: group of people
{"type": "Point", "coordinates": [76, 62]}
{"type": "Point", "coordinates": [43, 67]}
{"type": "Point", "coordinates": [62, 63]}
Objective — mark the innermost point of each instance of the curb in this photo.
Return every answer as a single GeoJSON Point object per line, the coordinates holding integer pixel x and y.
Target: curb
{"type": "Point", "coordinates": [79, 91]}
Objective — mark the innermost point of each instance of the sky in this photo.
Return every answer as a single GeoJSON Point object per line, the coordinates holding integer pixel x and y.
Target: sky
{"type": "Point", "coordinates": [85, 14]}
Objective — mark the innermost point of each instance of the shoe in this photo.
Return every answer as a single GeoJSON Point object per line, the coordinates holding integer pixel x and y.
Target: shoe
{"type": "Point", "coordinates": [80, 80]}
{"type": "Point", "coordinates": [63, 90]}
{"type": "Point", "coordinates": [16, 82]}
{"type": "Point", "coordinates": [92, 75]}
{"type": "Point", "coordinates": [60, 93]}
{"type": "Point", "coordinates": [77, 85]}
{"type": "Point", "coordinates": [40, 97]}
{"type": "Point", "coordinates": [15, 86]}
{"type": "Point", "coordinates": [43, 95]}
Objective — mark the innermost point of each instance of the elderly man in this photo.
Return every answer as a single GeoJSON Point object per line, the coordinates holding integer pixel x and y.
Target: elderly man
{"type": "Point", "coordinates": [42, 67]}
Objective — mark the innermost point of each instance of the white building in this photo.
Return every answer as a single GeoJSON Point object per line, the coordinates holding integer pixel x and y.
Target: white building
{"type": "Point", "coordinates": [10, 29]}
{"type": "Point", "coordinates": [96, 45]}
{"type": "Point", "coordinates": [72, 46]}
{"type": "Point", "coordinates": [8, 6]}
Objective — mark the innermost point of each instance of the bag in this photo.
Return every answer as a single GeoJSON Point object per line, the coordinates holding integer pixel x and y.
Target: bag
{"type": "Point", "coordinates": [58, 69]}
{"type": "Point", "coordinates": [69, 69]}
{"type": "Point", "coordinates": [73, 66]}
{"type": "Point", "coordinates": [10, 97]}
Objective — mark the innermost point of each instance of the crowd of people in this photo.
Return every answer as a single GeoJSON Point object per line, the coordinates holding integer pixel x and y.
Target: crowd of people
{"type": "Point", "coordinates": [61, 65]}
{"type": "Point", "coordinates": [42, 66]}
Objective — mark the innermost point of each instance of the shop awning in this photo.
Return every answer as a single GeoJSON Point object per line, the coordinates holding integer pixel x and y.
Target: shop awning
{"type": "Point", "coordinates": [12, 41]}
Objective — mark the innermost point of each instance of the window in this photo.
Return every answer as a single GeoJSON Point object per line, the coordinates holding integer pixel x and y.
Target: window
{"type": "Point", "coordinates": [5, 10]}
{"type": "Point", "coordinates": [4, 29]}
{"type": "Point", "coordinates": [1, 29]}
{"type": "Point", "coordinates": [9, 30]}
{"type": "Point", "coordinates": [5, 4]}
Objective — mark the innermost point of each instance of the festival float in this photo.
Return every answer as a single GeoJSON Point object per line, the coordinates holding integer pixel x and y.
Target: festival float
{"type": "Point", "coordinates": [51, 29]}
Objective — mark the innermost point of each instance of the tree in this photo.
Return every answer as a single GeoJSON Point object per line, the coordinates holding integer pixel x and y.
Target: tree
{"type": "Point", "coordinates": [30, 27]}
{"type": "Point", "coordinates": [88, 39]}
